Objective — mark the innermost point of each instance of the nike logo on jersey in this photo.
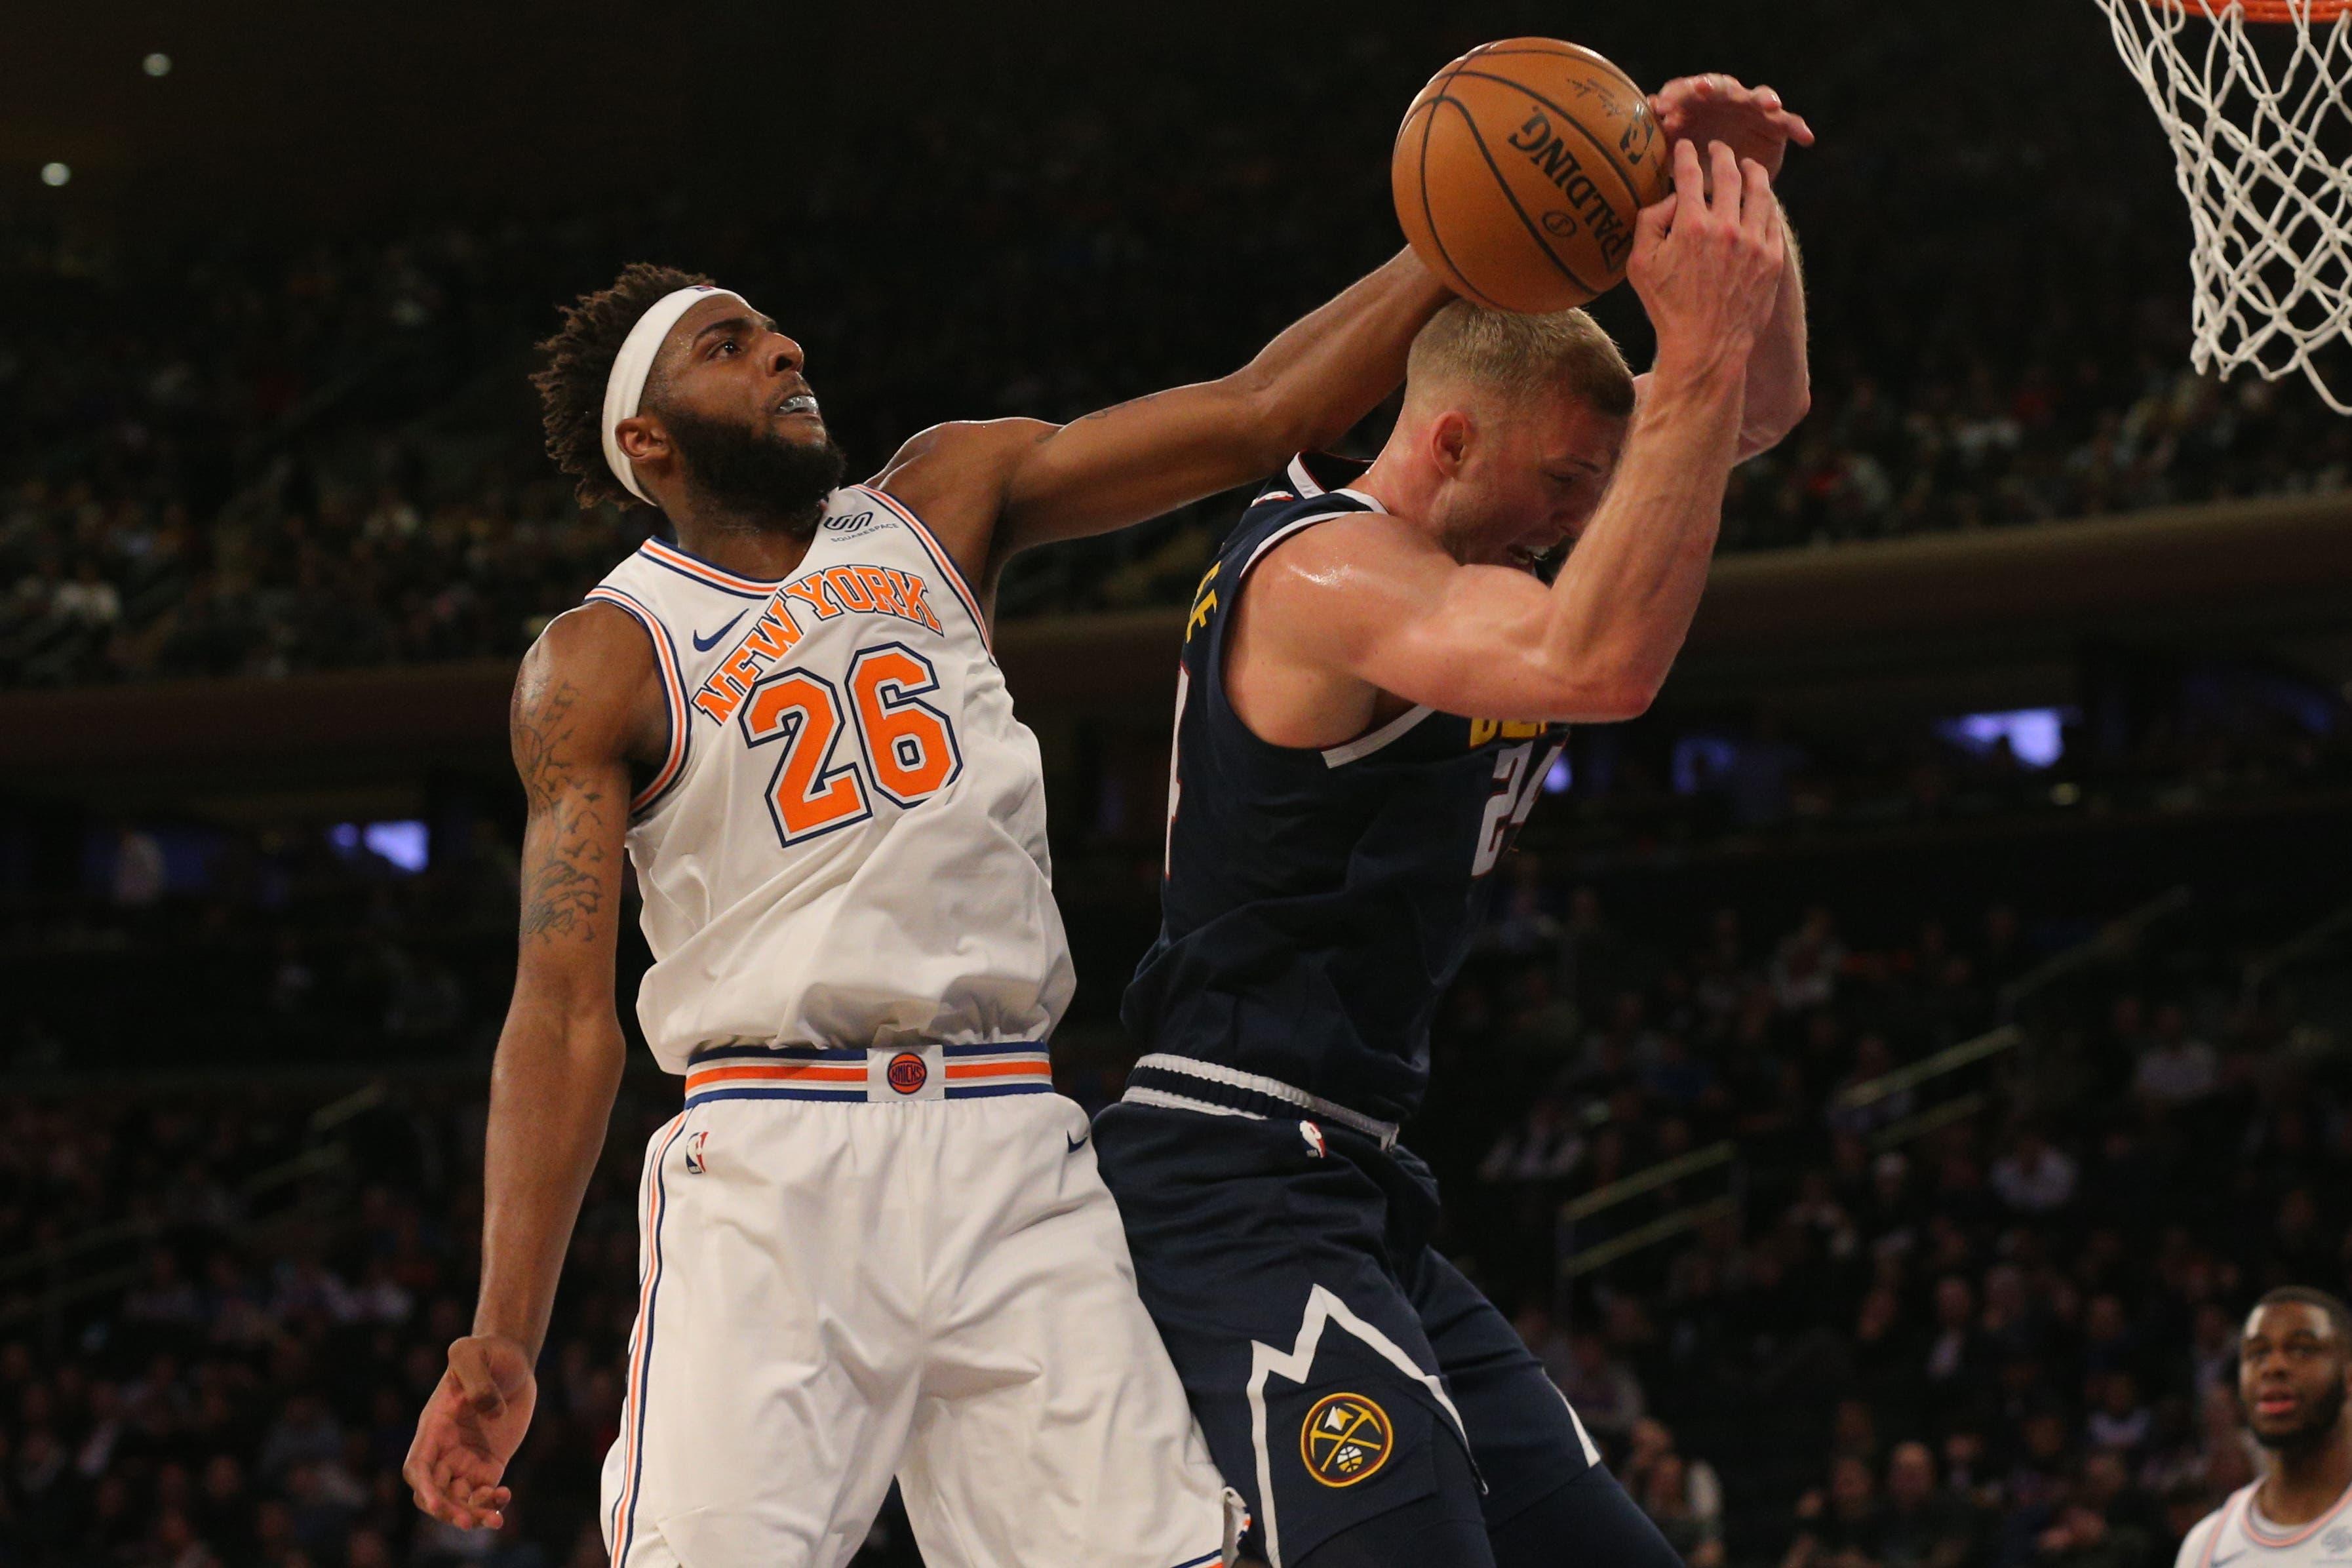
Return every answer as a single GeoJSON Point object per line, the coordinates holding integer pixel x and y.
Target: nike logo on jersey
{"type": "Point", "coordinates": [1080, 1140]}
{"type": "Point", "coordinates": [822, 595]}
{"type": "Point", "coordinates": [705, 644]}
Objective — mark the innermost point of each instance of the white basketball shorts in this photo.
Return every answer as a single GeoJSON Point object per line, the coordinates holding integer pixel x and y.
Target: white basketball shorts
{"type": "Point", "coordinates": [831, 1292]}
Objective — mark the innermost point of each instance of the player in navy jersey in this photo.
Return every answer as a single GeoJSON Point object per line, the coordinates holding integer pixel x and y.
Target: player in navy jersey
{"type": "Point", "coordinates": [1337, 804]}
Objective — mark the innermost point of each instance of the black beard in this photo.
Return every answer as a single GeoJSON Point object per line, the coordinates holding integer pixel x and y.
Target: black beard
{"type": "Point", "coordinates": [775, 484]}
{"type": "Point", "coordinates": [2311, 1434]}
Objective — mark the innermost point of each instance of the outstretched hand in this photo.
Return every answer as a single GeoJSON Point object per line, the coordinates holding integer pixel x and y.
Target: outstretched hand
{"type": "Point", "coordinates": [1750, 121]}
{"type": "Point", "coordinates": [470, 1429]}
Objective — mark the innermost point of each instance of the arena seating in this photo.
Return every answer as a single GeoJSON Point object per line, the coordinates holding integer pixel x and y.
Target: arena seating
{"type": "Point", "coordinates": [1957, 1316]}
{"type": "Point", "coordinates": [325, 457]}
{"type": "Point", "coordinates": [1876, 1123]}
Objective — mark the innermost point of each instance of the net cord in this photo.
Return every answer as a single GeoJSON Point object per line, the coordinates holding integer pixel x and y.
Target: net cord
{"type": "Point", "coordinates": [2269, 210]}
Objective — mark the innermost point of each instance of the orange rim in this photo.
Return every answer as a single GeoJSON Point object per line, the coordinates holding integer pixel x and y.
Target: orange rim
{"type": "Point", "coordinates": [2258, 10]}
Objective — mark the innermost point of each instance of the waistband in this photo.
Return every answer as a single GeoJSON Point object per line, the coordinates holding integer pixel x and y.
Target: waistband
{"type": "Point", "coordinates": [1185, 1083]}
{"type": "Point", "coordinates": [879, 1074]}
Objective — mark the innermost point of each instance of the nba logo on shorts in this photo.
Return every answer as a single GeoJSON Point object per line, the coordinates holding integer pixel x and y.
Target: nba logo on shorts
{"type": "Point", "coordinates": [1313, 1136]}
{"type": "Point", "coordinates": [907, 1074]}
{"type": "Point", "coordinates": [694, 1166]}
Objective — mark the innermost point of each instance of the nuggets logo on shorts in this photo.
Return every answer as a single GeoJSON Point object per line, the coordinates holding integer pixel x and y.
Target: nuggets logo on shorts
{"type": "Point", "coordinates": [1345, 1439]}
{"type": "Point", "coordinates": [907, 1073]}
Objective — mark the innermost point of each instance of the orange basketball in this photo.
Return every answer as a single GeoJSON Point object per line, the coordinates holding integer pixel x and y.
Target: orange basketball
{"type": "Point", "coordinates": [1519, 169]}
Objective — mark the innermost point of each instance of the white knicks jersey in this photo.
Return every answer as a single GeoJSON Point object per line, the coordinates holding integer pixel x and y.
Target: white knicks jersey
{"type": "Point", "coordinates": [2238, 1533]}
{"type": "Point", "coordinates": [845, 844]}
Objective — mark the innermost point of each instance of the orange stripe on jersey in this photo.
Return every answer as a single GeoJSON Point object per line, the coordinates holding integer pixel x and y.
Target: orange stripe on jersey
{"type": "Point", "coordinates": [679, 561]}
{"type": "Point", "coordinates": [999, 1069]}
{"type": "Point", "coordinates": [2300, 1534]}
{"type": "Point", "coordinates": [632, 1416]}
{"type": "Point", "coordinates": [941, 559]}
{"type": "Point", "coordinates": [673, 690]}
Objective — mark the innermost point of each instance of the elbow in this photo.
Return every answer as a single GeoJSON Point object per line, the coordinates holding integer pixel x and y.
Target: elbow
{"type": "Point", "coordinates": [1287, 420]}
{"type": "Point", "coordinates": [1800, 404]}
{"type": "Point", "coordinates": [1313, 434]}
{"type": "Point", "coordinates": [1613, 699]}
{"type": "Point", "coordinates": [1630, 700]}
{"type": "Point", "coordinates": [1768, 428]}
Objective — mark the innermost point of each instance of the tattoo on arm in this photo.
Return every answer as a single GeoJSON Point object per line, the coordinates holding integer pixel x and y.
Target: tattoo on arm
{"type": "Point", "coordinates": [562, 894]}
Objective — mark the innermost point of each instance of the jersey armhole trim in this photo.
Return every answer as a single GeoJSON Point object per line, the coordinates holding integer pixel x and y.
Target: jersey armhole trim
{"type": "Point", "coordinates": [1363, 746]}
{"type": "Point", "coordinates": [941, 558]}
{"type": "Point", "coordinates": [2220, 1520]}
{"type": "Point", "coordinates": [673, 696]}
{"type": "Point", "coordinates": [1284, 532]}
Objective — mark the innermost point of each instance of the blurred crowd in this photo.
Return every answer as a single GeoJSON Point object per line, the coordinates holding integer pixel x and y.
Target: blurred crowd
{"type": "Point", "coordinates": [355, 940]}
{"type": "Point", "coordinates": [1976, 1316]}
{"type": "Point", "coordinates": [1984, 1316]}
{"type": "Point", "coordinates": [273, 947]}
{"type": "Point", "coordinates": [225, 452]}
{"type": "Point", "coordinates": [242, 1388]}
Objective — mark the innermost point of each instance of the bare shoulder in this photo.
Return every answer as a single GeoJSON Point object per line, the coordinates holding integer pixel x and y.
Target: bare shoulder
{"type": "Point", "coordinates": [583, 693]}
{"type": "Point", "coordinates": [1360, 562]}
{"type": "Point", "coordinates": [955, 476]}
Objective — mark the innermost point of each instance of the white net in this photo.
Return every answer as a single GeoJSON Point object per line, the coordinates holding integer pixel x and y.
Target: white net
{"type": "Point", "coordinates": [2252, 93]}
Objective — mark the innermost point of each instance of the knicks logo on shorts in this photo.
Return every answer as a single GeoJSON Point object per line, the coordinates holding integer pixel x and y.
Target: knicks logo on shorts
{"type": "Point", "coordinates": [907, 1073]}
{"type": "Point", "coordinates": [1344, 1439]}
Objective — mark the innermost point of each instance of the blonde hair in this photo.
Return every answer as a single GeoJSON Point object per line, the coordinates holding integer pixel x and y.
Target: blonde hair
{"type": "Point", "coordinates": [1522, 357]}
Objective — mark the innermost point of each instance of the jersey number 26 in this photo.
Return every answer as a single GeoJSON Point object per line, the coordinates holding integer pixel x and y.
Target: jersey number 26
{"type": "Point", "coordinates": [906, 746]}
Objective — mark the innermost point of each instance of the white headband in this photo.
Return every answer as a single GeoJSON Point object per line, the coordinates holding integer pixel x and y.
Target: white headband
{"type": "Point", "coordinates": [626, 385]}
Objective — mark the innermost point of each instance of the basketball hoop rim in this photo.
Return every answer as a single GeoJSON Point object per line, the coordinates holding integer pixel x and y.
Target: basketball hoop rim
{"type": "Point", "coordinates": [2258, 10]}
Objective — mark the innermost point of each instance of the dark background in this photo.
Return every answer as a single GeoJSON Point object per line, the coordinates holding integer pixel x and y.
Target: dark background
{"type": "Point", "coordinates": [261, 368]}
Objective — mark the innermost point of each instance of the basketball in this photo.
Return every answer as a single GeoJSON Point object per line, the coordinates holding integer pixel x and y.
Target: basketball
{"type": "Point", "coordinates": [1519, 170]}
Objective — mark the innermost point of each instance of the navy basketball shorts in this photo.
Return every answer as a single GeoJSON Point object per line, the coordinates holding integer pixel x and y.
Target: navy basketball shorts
{"type": "Point", "coordinates": [1341, 1369]}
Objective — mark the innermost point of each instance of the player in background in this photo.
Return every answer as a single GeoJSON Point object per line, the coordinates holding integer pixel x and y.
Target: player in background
{"type": "Point", "coordinates": [874, 1240]}
{"type": "Point", "coordinates": [2294, 1370]}
{"type": "Point", "coordinates": [1373, 685]}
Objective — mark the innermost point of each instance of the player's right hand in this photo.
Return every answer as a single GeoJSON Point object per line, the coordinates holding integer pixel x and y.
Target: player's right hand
{"type": "Point", "coordinates": [470, 1429]}
{"type": "Point", "coordinates": [1706, 260]}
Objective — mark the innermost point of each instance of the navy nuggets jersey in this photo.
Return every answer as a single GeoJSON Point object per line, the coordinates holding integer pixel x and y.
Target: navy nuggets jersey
{"type": "Point", "coordinates": [1316, 903]}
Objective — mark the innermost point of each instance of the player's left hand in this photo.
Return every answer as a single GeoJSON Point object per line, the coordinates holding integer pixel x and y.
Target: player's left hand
{"type": "Point", "coordinates": [1750, 121]}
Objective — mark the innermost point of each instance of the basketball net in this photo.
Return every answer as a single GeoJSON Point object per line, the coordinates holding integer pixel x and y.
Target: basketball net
{"type": "Point", "coordinates": [2250, 93]}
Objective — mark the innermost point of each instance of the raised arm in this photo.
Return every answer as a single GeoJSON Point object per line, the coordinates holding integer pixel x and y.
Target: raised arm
{"type": "Point", "coordinates": [581, 710]}
{"type": "Point", "coordinates": [1377, 601]}
{"type": "Point", "coordinates": [1754, 123]}
{"type": "Point", "coordinates": [1001, 485]}
{"type": "Point", "coordinates": [1779, 390]}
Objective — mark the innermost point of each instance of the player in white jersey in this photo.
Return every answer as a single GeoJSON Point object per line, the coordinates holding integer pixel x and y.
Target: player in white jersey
{"type": "Point", "coordinates": [2294, 1371]}
{"type": "Point", "coordinates": [874, 1240]}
